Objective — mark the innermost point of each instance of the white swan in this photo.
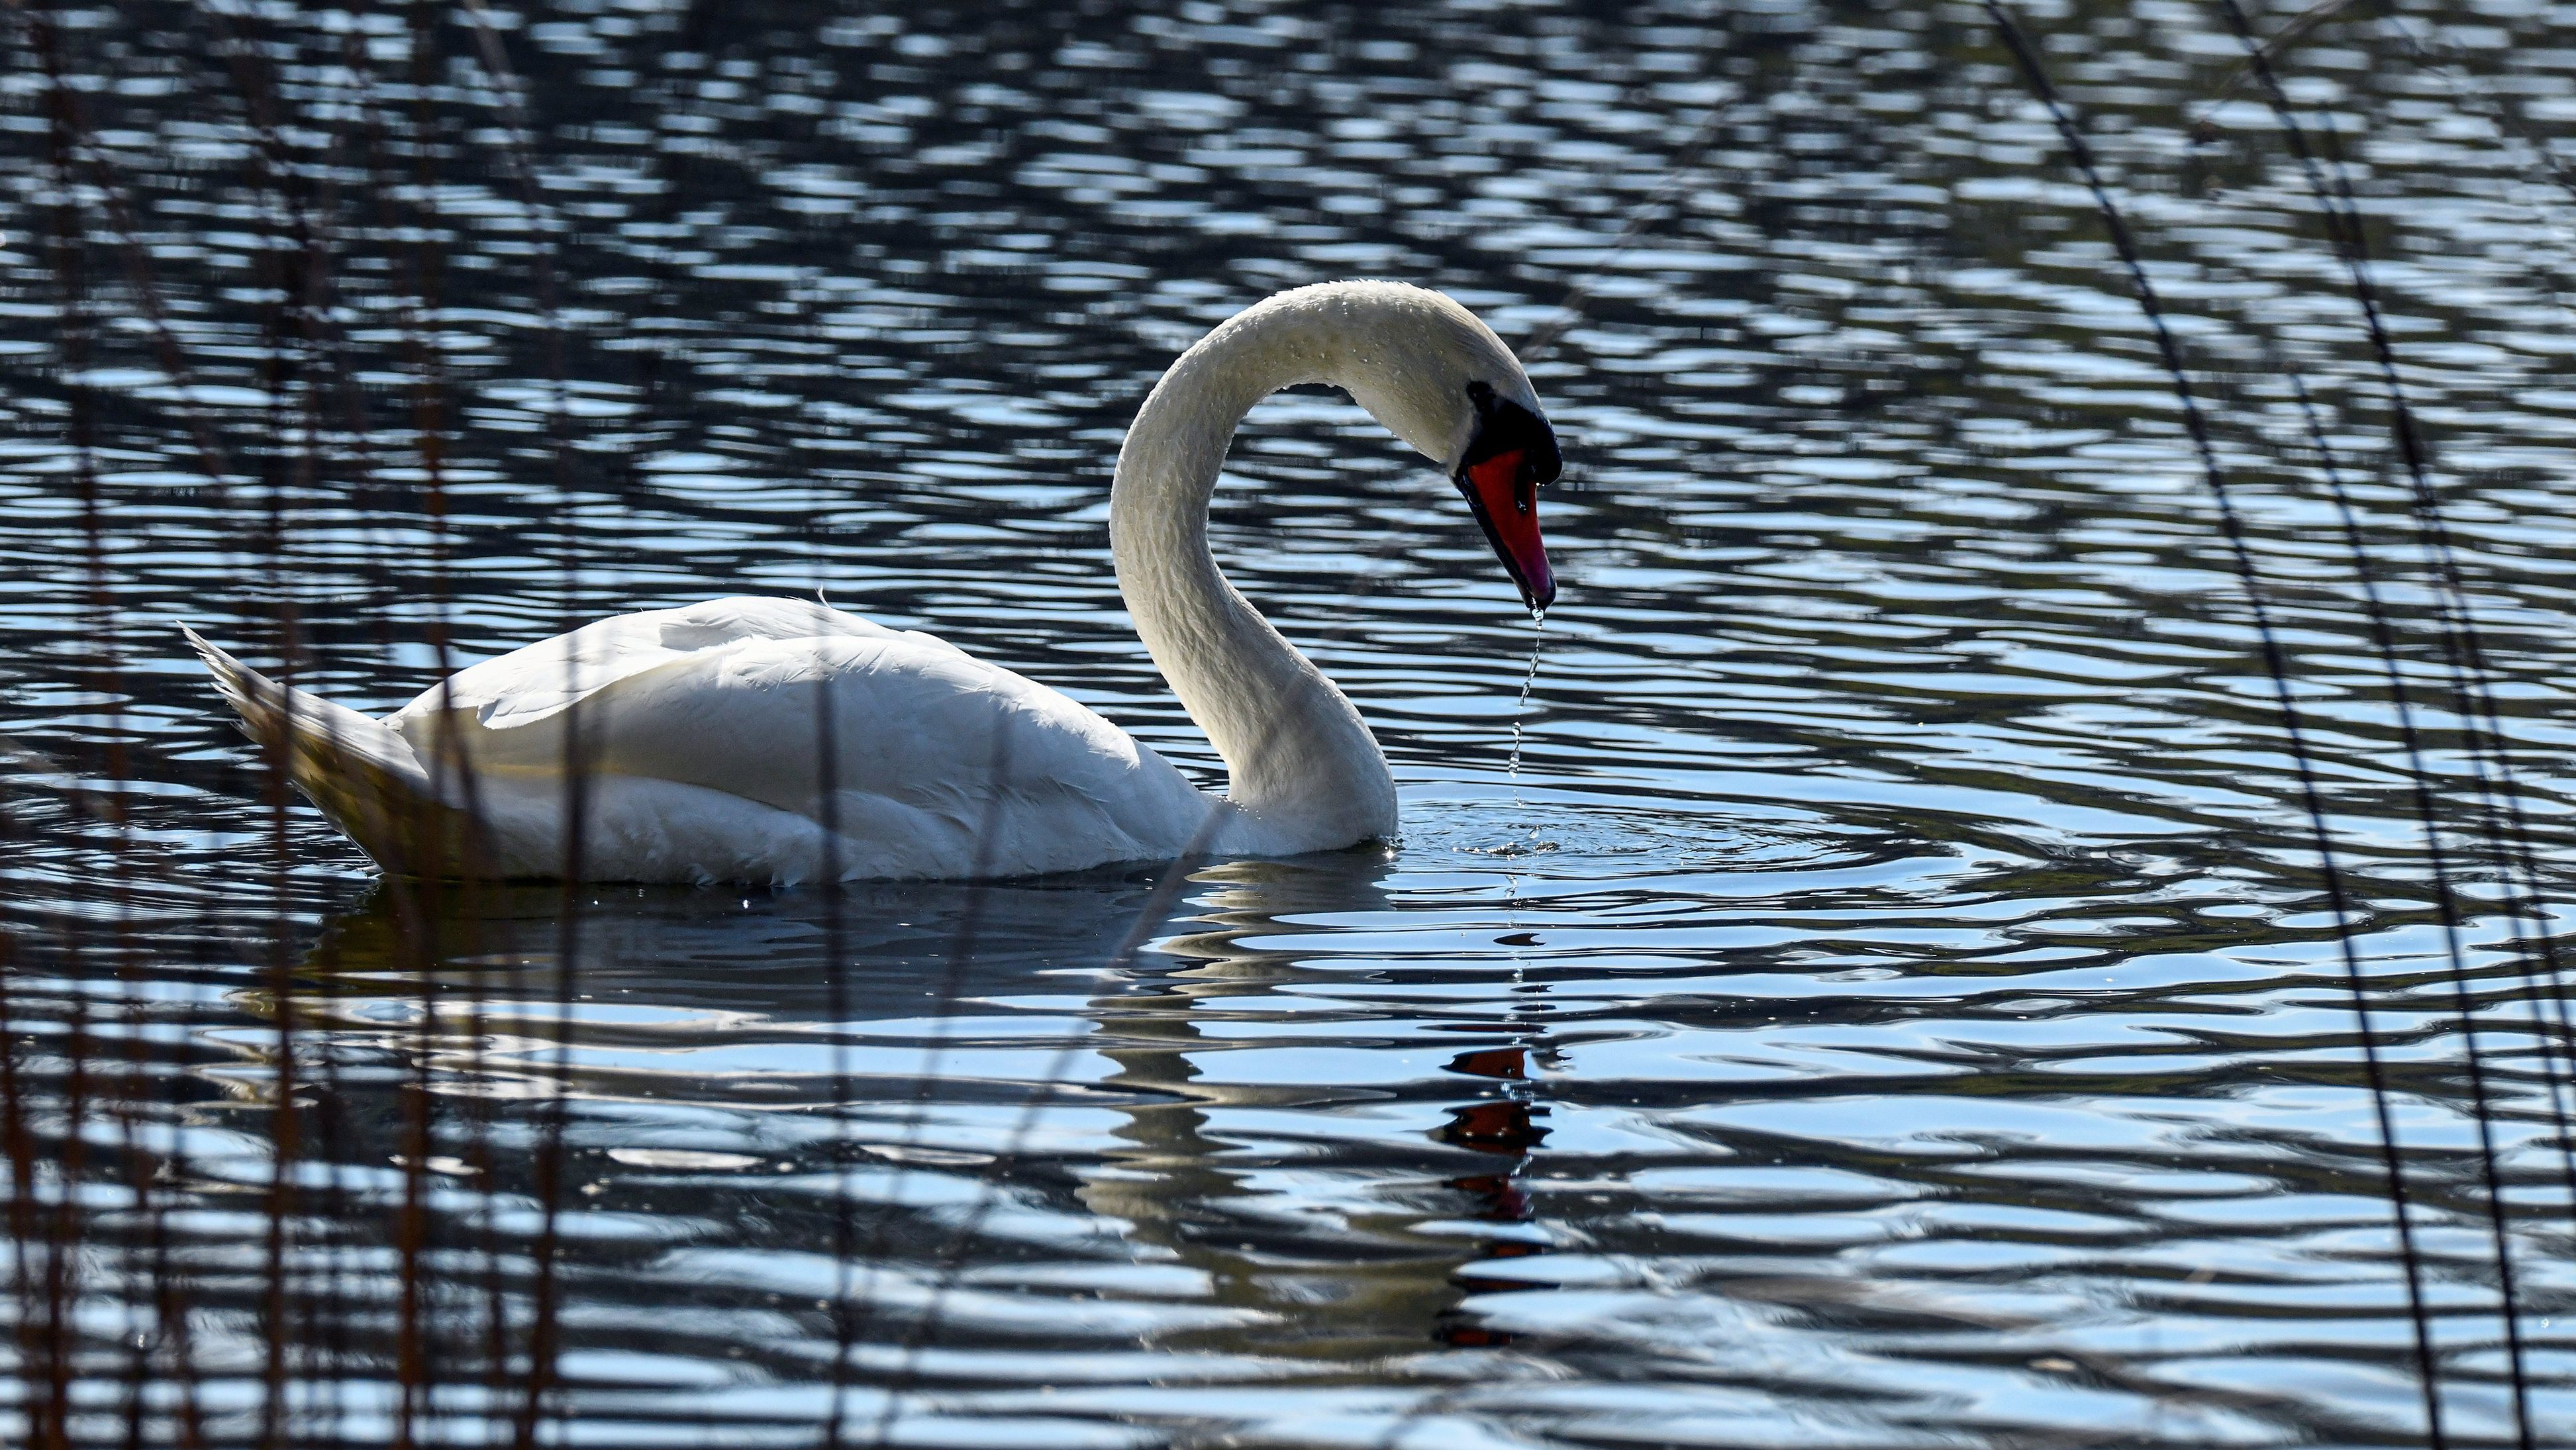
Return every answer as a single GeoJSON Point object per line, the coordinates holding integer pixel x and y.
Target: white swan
{"type": "Point", "coordinates": [772, 740]}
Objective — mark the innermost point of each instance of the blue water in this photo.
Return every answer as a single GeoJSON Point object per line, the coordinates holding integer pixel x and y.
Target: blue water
{"type": "Point", "coordinates": [1893, 1002]}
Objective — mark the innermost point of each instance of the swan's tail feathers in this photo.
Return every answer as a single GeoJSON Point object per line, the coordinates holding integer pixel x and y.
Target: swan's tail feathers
{"type": "Point", "coordinates": [362, 773]}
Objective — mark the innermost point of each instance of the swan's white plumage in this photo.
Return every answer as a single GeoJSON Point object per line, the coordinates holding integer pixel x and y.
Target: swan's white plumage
{"type": "Point", "coordinates": [772, 740]}
{"type": "Point", "coordinates": [703, 730]}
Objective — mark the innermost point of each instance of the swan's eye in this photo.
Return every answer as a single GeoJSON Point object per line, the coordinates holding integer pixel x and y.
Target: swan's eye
{"type": "Point", "coordinates": [1503, 426]}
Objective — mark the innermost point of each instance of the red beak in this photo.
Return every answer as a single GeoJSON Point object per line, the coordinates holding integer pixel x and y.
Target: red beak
{"type": "Point", "coordinates": [1503, 490]}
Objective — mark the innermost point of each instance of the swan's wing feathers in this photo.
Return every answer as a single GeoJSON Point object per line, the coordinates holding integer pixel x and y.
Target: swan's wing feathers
{"type": "Point", "coordinates": [949, 765]}
{"type": "Point", "coordinates": [903, 719]}
{"type": "Point", "coordinates": [541, 680]}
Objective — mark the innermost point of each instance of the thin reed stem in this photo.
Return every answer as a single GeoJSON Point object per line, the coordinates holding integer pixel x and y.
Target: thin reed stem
{"type": "Point", "coordinates": [2276, 666]}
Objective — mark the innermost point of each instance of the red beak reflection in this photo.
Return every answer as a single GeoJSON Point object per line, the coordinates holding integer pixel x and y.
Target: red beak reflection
{"type": "Point", "coordinates": [1503, 490]}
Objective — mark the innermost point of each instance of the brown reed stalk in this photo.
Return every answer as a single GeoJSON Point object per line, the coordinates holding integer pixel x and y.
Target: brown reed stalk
{"type": "Point", "coordinates": [49, 1413]}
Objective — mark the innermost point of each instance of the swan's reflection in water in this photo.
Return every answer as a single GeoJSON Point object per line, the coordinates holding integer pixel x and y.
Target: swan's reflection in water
{"type": "Point", "coordinates": [1354, 1285]}
{"type": "Point", "coordinates": [979, 1119]}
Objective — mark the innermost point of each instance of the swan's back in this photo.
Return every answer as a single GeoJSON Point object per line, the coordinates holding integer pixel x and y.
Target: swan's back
{"type": "Point", "coordinates": [535, 681]}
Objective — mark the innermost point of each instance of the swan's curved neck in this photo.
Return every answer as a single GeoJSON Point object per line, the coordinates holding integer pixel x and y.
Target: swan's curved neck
{"type": "Point", "coordinates": [1305, 771]}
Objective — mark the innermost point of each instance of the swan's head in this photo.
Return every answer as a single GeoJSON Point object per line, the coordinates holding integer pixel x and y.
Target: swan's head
{"type": "Point", "coordinates": [1439, 379]}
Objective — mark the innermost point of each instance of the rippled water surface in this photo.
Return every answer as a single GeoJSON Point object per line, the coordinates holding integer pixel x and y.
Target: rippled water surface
{"type": "Point", "coordinates": [1895, 1001]}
